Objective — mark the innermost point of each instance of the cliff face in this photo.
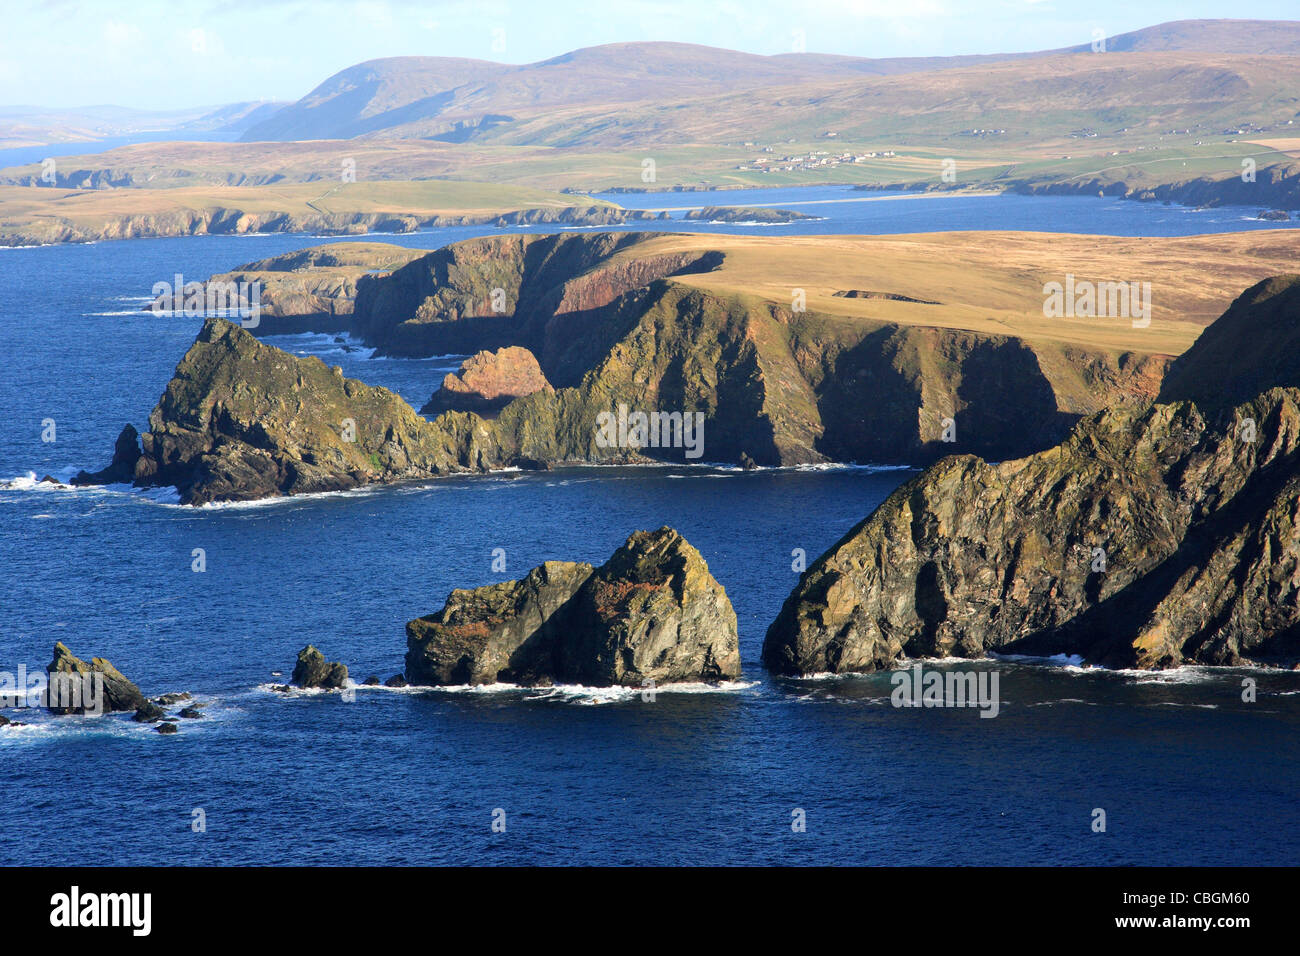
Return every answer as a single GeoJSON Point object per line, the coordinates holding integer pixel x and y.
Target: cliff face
{"type": "Point", "coordinates": [1147, 539]}
{"type": "Point", "coordinates": [651, 613]}
{"type": "Point", "coordinates": [1254, 346]}
{"type": "Point", "coordinates": [488, 381]}
{"type": "Point", "coordinates": [501, 290]}
{"type": "Point", "coordinates": [721, 376]}
{"type": "Point", "coordinates": [781, 387]}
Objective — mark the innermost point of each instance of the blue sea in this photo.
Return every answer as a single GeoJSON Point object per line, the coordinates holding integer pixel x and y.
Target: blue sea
{"type": "Point", "coordinates": [1185, 770]}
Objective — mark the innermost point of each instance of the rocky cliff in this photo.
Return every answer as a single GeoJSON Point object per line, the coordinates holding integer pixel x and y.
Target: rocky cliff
{"type": "Point", "coordinates": [307, 290]}
{"type": "Point", "coordinates": [1147, 539]}
{"type": "Point", "coordinates": [651, 614]}
{"type": "Point", "coordinates": [242, 420]}
{"type": "Point", "coordinates": [1254, 346]}
{"type": "Point", "coordinates": [488, 381]}
{"type": "Point", "coordinates": [619, 332]}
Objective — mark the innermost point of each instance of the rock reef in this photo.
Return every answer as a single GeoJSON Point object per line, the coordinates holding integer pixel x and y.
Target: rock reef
{"type": "Point", "coordinates": [651, 614]}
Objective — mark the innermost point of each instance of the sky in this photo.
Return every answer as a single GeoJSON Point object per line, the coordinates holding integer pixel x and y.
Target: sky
{"type": "Point", "coordinates": [174, 54]}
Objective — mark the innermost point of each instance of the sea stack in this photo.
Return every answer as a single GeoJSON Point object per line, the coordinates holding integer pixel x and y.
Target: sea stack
{"type": "Point", "coordinates": [652, 613]}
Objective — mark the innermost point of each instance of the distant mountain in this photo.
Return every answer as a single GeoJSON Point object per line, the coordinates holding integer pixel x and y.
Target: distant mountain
{"type": "Point", "coordinates": [1259, 37]}
{"type": "Point", "coordinates": [452, 99]}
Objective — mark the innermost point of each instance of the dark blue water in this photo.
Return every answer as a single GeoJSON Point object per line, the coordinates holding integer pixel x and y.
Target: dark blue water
{"type": "Point", "coordinates": [1186, 772]}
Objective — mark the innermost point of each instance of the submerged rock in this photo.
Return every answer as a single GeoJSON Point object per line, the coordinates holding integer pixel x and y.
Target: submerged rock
{"type": "Point", "coordinates": [312, 670]}
{"type": "Point", "coordinates": [397, 680]}
{"type": "Point", "coordinates": [148, 713]}
{"type": "Point", "coordinates": [652, 613]}
{"type": "Point", "coordinates": [1147, 539]}
{"type": "Point", "coordinates": [191, 713]}
{"type": "Point", "coordinates": [72, 683]}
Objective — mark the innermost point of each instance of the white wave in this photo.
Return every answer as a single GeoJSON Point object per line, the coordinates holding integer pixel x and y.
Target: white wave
{"type": "Point", "coordinates": [574, 693]}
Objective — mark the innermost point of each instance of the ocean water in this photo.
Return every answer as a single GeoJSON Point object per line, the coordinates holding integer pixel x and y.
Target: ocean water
{"type": "Point", "coordinates": [1186, 772]}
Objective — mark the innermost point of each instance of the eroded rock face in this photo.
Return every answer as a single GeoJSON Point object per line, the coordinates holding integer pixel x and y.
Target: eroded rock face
{"type": "Point", "coordinates": [493, 633]}
{"type": "Point", "coordinates": [312, 670]}
{"type": "Point", "coordinates": [71, 688]}
{"type": "Point", "coordinates": [242, 420]}
{"type": "Point", "coordinates": [1147, 539]}
{"type": "Point", "coordinates": [652, 613]}
{"type": "Point", "coordinates": [1253, 346]}
{"type": "Point", "coordinates": [488, 381]}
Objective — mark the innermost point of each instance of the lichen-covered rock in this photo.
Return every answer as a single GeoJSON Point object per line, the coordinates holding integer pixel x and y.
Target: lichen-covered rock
{"type": "Point", "coordinates": [488, 381]}
{"type": "Point", "coordinates": [493, 633]}
{"type": "Point", "coordinates": [72, 687]}
{"type": "Point", "coordinates": [652, 613]}
{"type": "Point", "coordinates": [1147, 539]}
{"type": "Point", "coordinates": [312, 670]}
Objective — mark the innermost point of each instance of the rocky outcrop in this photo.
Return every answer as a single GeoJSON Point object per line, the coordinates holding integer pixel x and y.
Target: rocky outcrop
{"type": "Point", "coordinates": [487, 382]}
{"type": "Point", "coordinates": [241, 420]}
{"type": "Point", "coordinates": [121, 470]}
{"type": "Point", "coordinates": [1148, 539]}
{"type": "Point", "coordinates": [312, 670]}
{"type": "Point", "coordinates": [651, 613]}
{"type": "Point", "coordinates": [76, 687]}
{"type": "Point", "coordinates": [306, 290]}
{"type": "Point", "coordinates": [1253, 346]}
{"type": "Point", "coordinates": [744, 214]}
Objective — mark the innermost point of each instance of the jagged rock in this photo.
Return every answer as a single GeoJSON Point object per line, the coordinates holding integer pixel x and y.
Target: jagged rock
{"type": "Point", "coordinates": [191, 713]}
{"type": "Point", "coordinates": [487, 382]}
{"type": "Point", "coordinates": [242, 420]}
{"type": "Point", "coordinates": [70, 680]}
{"type": "Point", "coordinates": [166, 700]}
{"type": "Point", "coordinates": [168, 728]}
{"type": "Point", "coordinates": [487, 632]}
{"type": "Point", "coordinates": [126, 453]}
{"type": "Point", "coordinates": [653, 612]}
{"type": "Point", "coordinates": [312, 670]}
{"type": "Point", "coordinates": [1147, 539]}
{"type": "Point", "coordinates": [148, 713]}
{"type": "Point", "coordinates": [1275, 215]}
